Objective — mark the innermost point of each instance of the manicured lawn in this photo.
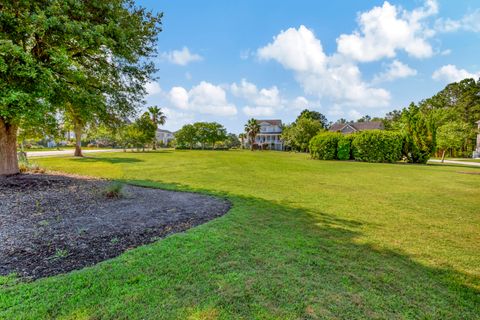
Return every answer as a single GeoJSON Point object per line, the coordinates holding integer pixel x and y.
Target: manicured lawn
{"type": "Point", "coordinates": [305, 240]}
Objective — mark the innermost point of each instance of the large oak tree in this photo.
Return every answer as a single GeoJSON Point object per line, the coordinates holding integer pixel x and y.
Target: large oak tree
{"type": "Point", "coordinates": [86, 59]}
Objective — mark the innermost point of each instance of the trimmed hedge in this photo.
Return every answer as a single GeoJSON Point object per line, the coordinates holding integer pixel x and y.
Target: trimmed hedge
{"type": "Point", "coordinates": [324, 145]}
{"type": "Point", "coordinates": [344, 147]}
{"type": "Point", "coordinates": [377, 146]}
{"type": "Point", "coordinates": [369, 146]}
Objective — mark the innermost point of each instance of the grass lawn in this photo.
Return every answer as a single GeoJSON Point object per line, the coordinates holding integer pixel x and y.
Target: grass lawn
{"type": "Point", "coordinates": [305, 239]}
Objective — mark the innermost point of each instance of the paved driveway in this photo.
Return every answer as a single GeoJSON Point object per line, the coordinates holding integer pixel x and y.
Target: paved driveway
{"type": "Point", "coordinates": [467, 163]}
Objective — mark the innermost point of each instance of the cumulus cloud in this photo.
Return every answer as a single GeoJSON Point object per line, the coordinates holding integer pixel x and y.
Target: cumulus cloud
{"type": "Point", "coordinates": [258, 111]}
{"type": "Point", "coordinates": [301, 103]}
{"type": "Point", "coordinates": [333, 76]}
{"type": "Point", "coordinates": [262, 102]}
{"type": "Point", "coordinates": [395, 70]}
{"type": "Point", "coordinates": [385, 30]}
{"type": "Point", "coordinates": [153, 88]}
{"type": "Point", "coordinates": [204, 98]}
{"type": "Point", "coordinates": [469, 22]}
{"type": "Point", "coordinates": [451, 73]}
{"type": "Point", "coordinates": [181, 57]}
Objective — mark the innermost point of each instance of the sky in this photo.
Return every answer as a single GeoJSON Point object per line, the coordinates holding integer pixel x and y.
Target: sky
{"type": "Point", "coordinates": [229, 61]}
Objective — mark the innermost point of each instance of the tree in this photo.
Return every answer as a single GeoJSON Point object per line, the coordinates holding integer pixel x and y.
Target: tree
{"type": "Point", "coordinates": [252, 128]}
{"type": "Point", "coordinates": [420, 133]}
{"type": "Point", "coordinates": [314, 115]}
{"type": "Point", "coordinates": [202, 131]}
{"type": "Point", "coordinates": [298, 134]}
{"type": "Point", "coordinates": [242, 137]}
{"type": "Point", "coordinates": [215, 132]}
{"type": "Point", "coordinates": [186, 136]}
{"type": "Point", "coordinates": [452, 136]}
{"type": "Point", "coordinates": [146, 129]}
{"type": "Point", "coordinates": [233, 141]}
{"type": "Point", "coordinates": [86, 59]}
{"type": "Point", "coordinates": [158, 118]}
{"type": "Point", "coordinates": [366, 118]}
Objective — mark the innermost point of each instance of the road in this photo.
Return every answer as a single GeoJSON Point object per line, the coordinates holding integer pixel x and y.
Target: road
{"type": "Point", "coordinates": [466, 163]}
{"type": "Point", "coordinates": [65, 152]}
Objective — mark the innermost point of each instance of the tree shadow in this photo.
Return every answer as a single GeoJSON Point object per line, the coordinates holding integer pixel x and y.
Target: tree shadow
{"type": "Point", "coordinates": [112, 160]}
{"type": "Point", "coordinates": [263, 259]}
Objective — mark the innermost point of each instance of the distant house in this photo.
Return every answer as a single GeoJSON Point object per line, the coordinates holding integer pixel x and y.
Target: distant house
{"type": "Point", "coordinates": [269, 135]}
{"type": "Point", "coordinates": [164, 136]}
{"type": "Point", "coordinates": [476, 153]}
{"type": "Point", "coordinates": [353, 127]}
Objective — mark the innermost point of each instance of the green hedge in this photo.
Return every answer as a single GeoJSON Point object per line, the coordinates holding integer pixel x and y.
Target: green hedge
{"type": "Point", "coordinates": [377, 146]}
{"type": "Point", "coordinates": [344, 147]}
{"type": "Point", "coordinates": [324, 146]}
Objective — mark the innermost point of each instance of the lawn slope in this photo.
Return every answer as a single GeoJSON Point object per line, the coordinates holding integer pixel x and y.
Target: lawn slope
{"type": "Point", "coordinates": [304, 239]}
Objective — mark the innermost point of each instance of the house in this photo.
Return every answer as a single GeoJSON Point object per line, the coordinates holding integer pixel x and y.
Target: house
{"type": "Point", "coordinates": [476, 153]}
{"type": "Point", "coordinates": [164, 136]}
{"type": "Point", "coordinates": [269, 136]}
{"type": "Point", "coordinates": [352, 127]}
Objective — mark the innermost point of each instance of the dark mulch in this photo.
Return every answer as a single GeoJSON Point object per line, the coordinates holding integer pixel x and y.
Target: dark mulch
{"type": "Point", "coordinates": [52, 224]}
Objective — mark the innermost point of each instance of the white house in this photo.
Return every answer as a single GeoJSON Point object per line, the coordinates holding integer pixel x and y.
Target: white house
{"type": "Point", "coordinates": [476, 153]}
{"type": "Point", "coordinates": [269, 135]}
{"type": "Point", "coordinates": [164, 136]}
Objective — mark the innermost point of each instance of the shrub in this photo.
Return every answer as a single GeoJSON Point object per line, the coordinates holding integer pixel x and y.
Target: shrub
{"type": "Point", "coordinates": [377, 146]}
{"type": "Point", "coordinates": [344, 147]}
{"type": "Point", "coordinates": [324, 145]}
{"type": "Point", "coordinates": [114, 190]}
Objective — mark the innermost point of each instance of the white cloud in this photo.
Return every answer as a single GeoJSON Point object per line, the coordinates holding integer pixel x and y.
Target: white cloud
{"type": "Point", "coordinates": [469, 22]}
{"type": "Point", "coordinates": [153, 88]}
{"type": "Point", "coordinates": [450, 73]}
{"type": "Point", "coordinates": [300, 103]}
{"type": "Point", "coordinates": [176, 119]}
{"type": "Point", "coordinates": [296, 49]}
{"type": "Point", "coordinates": [204, 98]}
{"type": "Point", "coordinates": [265, 101]}
{"type": "Point", "coordinates": [354, 114]}
{"type": "Point", "coordinates": [395, 70]}
{"type": "Point", "coordinates": [334, 77]}
{"type": "Point", "coordinates": [258, 111]}
{"type": "Point", "coordinates": [179, 97]}
{"type": "Point", "coordinates": [387, 29]}
{"type": "Point", "coordinates": [181, 57]}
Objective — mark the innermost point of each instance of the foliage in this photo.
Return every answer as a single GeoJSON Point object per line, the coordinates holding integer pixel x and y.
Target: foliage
{"type": "Point", "coordinates": [252, 128]}
{"type": "Point", "coordinates": [420, 130]}
{"type": "Point", "coordinates": [186, 137]}
{"type": "Point", "coordinates": [324, 145]}
{"type": "Point", "coordinates": [344, 147]}
{"type": "Point", "coordinates": [313, 115]}
{"type": "Point", "coordinates": [377, 146]}
{"type": "Point", "coordinates": [298, 134]}
{"type": "Point", "coordinates": [453, 135]}
{"type": "Point", "coordinates": [83, 58]}
{"type": "Point", "coordinates": [232, 141]}
{"type": "Point", "coordinates": [201, 132]}
{"type": "Point", "coordinates": [114, 190]}
{"type": "Point", "coordinates": [158, 118]}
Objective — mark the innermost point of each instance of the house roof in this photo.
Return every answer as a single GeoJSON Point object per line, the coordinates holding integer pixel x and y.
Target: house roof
{"type": "Point", "coordinates": [272, 122]}
{"type": "Point", "coordinates": [359, 126]}
{"type": "Point", "coordinates": [162, 130]}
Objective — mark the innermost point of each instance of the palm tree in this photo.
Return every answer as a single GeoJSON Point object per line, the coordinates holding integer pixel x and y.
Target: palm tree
{"type": "Point", "coordinates": [158, 118]}
{"type": "Point", "coordinates": [242, 137]}
{"type": "Point", "coordinates": [252, 128]}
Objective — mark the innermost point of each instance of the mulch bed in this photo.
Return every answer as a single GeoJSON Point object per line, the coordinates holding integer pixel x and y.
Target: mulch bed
{"type": "Point", "coordinates": [52, 224]}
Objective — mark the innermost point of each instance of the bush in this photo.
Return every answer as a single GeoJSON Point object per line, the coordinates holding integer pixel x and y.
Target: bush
{"type": "Point", "coordinates": [324, 145]}
{"type": "Point", "coordinates": [377, 146]}
{"type": "Point", "coordinates": [344, 147]}
{"type": "Point", "coordinates": [114, 191]}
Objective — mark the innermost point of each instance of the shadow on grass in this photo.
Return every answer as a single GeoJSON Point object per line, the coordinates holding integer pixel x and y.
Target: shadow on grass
{"type": "Point", "coordinates": [261, 260]}
{"type": "Point", "coordinates": [112, 160]}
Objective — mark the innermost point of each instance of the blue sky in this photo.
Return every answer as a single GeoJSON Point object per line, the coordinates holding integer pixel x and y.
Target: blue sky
{"type": "Point", "coordinates": [228, 61]}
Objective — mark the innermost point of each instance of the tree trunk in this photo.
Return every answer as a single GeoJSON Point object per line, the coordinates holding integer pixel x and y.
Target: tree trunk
{"type": "Point", "coordinates": [77, 128]}
{"type": "Point", "coordinates": [154, 147]}
{"type": "Point", "coordinates": [8, 148]}
{"type": "Point", "coordinates": [443, 155]}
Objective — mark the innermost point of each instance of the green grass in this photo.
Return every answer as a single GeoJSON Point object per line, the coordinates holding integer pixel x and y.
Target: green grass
{"type": "Point", "coordinates": [305, 239]}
